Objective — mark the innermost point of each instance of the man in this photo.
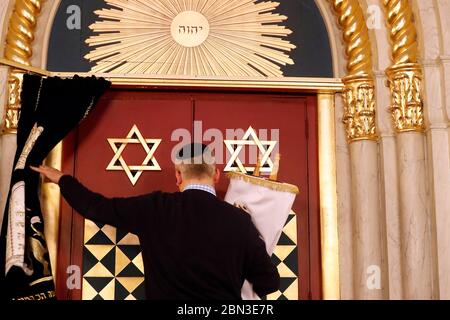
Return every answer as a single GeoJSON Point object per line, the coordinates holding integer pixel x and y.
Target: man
{"type": "Point", "coordinates": [194, 246]}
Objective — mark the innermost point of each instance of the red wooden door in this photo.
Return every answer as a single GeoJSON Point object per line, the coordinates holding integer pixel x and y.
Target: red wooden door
{"type": "Point", "coordinates": [157, 115]}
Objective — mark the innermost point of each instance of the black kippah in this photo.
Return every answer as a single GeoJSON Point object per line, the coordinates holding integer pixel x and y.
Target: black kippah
{"type": "Point", "coordinates": [191, 150]}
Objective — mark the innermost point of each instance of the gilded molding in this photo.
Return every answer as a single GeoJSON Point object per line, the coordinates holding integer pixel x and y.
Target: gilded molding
{"type": "Point", "coordinates": [356, 36]}
{"type": "Point", "coordinates": [359, 97]}
{"type": "Point", "coordinates": [405, 76]}
{"type": "Point", "coordinates": [18, 48]}
{"type": "Point", "coordinates": [402, 31]}
{"type": "Point", "coordinates": [22, 25]}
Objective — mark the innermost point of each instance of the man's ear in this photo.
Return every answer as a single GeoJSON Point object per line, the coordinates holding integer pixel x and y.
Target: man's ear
{"type": "Point", "coordinates": [178, 177]}
{"type": "Point", "coordinates": [217, 176]}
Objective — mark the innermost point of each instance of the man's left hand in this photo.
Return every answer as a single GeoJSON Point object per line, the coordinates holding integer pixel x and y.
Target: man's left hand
{"type": "Point", "coordinates": [52, 174]}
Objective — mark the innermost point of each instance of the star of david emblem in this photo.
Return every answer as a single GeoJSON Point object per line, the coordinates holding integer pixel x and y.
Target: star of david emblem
{"type": "Point", "coordinates": [250, 138]}
{"type": "Point", "coordinates": [134, 171]}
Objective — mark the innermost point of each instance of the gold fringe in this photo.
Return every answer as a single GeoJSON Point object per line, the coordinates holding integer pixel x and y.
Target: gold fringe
{"type": "Point", "coordinates": [277, 186]}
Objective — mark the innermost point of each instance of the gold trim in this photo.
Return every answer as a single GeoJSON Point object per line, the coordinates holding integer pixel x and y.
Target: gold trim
{"type": "Point", "coordinates": [274, 185]}
{"type": "Point", "coordinates": [23, 67]}
{"type": "Point", "coordinates": [405, 75]}
{"type": "Point", "coordinates": [41, 280]}
{"type": "Point", "coordinates": [307, 84]}
{"type": "Point", "coordinates": [328, 197]}
{"type": "Point", "coordinates": [359, 97]}
{"type": "Point", "coordinates": [298, 83]}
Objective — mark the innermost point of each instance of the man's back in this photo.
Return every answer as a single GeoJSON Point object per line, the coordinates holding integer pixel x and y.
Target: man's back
{"type": "Point", "coordinates": [194, 245]}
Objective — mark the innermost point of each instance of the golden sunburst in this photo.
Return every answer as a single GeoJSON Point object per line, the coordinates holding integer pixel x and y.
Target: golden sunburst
{"type": "Point", "coordinates": [241, 38]}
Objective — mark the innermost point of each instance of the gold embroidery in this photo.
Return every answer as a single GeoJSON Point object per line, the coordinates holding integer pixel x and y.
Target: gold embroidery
{"type": "Point", "coordinates": [277, 186]}
{"type": "Point", "coordinates": [32, 138]}
{"type": "Point", "coordinates": [37, 248]}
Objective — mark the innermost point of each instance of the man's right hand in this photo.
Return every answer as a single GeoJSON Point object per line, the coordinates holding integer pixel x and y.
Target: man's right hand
{"type": "Point", "coordinates": [51, 174]}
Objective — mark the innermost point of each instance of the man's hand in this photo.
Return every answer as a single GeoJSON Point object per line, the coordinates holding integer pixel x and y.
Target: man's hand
{"type": "Point", "coordinates": [49, 173]}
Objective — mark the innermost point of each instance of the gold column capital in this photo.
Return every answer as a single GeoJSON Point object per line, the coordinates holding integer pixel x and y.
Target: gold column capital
{"type": "Point", "coordinates": [18, 48]}
{"type": "Point", "coordinates": [405, 82]}
{"type": "Point", "coordinates": [359, 108]}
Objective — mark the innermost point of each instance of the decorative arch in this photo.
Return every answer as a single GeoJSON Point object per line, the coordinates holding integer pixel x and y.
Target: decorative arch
{"type": "Point", "coordinates": [359, 98]}
{"type": "Point", "coordinates": [360, 123]}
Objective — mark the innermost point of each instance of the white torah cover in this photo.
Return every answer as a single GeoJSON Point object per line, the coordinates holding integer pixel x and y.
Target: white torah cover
{"type": "Point", "coordinates": [269, 204]}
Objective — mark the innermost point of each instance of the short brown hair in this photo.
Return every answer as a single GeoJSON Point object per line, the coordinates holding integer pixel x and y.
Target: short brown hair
{"type": "Point", "coordinates": [195, 161]}
{"type": "Point", "coordinates": [190, 171]}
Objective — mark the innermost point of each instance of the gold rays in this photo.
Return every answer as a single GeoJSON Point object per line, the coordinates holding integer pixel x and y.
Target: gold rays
{"type": "Point", "coordinates": [240, 38]}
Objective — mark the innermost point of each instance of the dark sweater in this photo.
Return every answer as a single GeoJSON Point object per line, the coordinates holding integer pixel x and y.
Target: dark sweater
{"type": "Point", "coordinates": [194, 246]}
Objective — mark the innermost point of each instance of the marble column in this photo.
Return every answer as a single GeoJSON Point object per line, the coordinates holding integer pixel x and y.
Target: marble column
{"type": "Point", "coordinates": [405, 80]}
{"type": "Point", "coordinates": [367, 238]}
{"type": "Point", "coordinates": [415, 221]}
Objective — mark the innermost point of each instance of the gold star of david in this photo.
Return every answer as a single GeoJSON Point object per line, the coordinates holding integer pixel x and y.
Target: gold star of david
{"type": "Point", "coordinates": [265, 147]}
{"type": "Point", "coordinates": [135, 171]}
